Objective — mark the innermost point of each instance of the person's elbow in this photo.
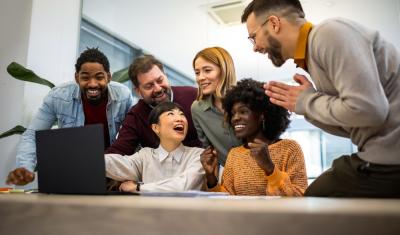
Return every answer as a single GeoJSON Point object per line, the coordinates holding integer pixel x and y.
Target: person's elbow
{"type": "Point", "coordinates": [372, 115]}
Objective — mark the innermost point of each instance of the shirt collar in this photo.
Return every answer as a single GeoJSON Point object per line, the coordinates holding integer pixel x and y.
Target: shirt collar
{"type": "Point", "coordinates": [301, 49]}
{"type": "Point", "coordinates": [176, 154]}
{"type": "Point", "coordinates": [207, 103]}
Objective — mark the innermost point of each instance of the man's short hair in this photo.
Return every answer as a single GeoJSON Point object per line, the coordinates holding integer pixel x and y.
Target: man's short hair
{"type": "Point", "coordinates": [154, 116]}
{"type": "Point", "coordinates": [93, 55]}
{"type": "Point", "coordinates": [285, 7]}
{"type": "Point", "coordinates": [142, 64]}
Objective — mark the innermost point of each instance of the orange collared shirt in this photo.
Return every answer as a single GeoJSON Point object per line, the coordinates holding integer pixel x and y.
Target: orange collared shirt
{"type": "Point", "coordinates": [301, 49]}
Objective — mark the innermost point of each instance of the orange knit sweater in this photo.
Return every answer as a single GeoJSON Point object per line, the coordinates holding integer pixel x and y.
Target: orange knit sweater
{"type": "Point", "coordinates": [243, 176]}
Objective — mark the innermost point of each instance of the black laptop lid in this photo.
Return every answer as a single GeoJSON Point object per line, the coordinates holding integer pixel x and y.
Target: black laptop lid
{"type": "Point", "coordinates": [71, 160]}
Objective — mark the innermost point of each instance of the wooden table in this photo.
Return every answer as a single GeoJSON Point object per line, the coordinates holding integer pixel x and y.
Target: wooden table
{"type": "Point", "coordinates": [63, 214]}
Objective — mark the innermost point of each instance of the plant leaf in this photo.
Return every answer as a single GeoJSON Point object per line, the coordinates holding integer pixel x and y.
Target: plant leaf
{"type": "Point", "coordinates": [121, 76]}
{"type": "Point", "coordinates": [16, 130]}
{"type": "Point", "coordinates": [21, 73]}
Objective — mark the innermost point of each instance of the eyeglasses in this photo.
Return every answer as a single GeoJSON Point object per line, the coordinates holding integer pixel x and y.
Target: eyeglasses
{"type": "Point", "coordinates": [252, 36]}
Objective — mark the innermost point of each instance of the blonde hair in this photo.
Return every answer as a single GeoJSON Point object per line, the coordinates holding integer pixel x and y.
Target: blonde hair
{"type": "Point", "coordinates": [221, 58]}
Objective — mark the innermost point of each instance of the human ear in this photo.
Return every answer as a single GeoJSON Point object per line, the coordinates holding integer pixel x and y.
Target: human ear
{"type": "Point", "coordinates": [275, 22]}
{"type": "Point", "coordinates": [108, 77]}
{"type": "Point", "coordinates": [76, 78]}
{"type": "Point", "coordinates": [155, 128]}
{"type": "Point", "coordinates": [137, 91]}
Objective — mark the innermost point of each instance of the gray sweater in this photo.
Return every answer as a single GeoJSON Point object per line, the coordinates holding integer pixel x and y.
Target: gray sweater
{"type": "Point", "coordinates": [357, 78]}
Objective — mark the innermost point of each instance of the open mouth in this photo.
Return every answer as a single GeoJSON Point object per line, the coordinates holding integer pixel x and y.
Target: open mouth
{"type": "Point", "coordinates": [180, 128]}
{"type": "Point", "coordinates": [93, 92]}
{"type": "Point", "coordinates": [160, 96]}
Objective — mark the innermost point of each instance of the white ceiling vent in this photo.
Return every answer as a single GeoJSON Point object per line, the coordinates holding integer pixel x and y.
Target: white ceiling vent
{"type": "Point", "coordinates": [227, 12]}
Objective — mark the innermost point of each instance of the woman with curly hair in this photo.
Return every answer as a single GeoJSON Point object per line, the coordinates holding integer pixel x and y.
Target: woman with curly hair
{"type": "Point", "coordinates": [264, 164]}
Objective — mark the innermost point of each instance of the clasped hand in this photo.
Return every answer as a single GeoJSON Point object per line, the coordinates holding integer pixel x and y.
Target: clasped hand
{"type": "Point", "coordinates": [259, 151]}
{"type": "Point", "coordinates": [286, 95]}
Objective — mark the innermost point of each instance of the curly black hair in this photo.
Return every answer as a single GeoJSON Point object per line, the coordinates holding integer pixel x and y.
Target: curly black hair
{"type": "Point", "coordinates": [251, 93]}
{"type": "Point", "coordinates": [92, 55]}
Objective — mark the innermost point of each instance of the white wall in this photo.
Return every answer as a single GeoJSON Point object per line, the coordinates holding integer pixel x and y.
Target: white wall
{"type": "Point", "coordinates": [175, 30]}
{"type": "Point", "coordinates": [13, 47]}
{"type": "Point", "coordinates": [43, 36]}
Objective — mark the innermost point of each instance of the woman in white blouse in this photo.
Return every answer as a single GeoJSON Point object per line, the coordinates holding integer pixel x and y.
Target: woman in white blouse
{"type": "Point", "coordinates": [170, 167]}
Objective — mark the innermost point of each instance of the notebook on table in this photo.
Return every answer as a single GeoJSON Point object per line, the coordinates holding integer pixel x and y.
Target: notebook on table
{"type": "Point", "coordinates": [71, 161]}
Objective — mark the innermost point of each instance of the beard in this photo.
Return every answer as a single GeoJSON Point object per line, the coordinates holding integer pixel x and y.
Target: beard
{"type": "Point", "coordinates": [154, 101]}
{"type": "Point", "coordinates": [274, 52]}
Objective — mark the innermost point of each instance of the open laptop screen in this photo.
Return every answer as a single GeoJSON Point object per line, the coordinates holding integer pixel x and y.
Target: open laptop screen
{"type": "Point", "coordinates": [71, 160]}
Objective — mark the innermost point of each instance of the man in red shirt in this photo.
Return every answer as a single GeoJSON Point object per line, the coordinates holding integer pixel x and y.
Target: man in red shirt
{"type": "Point", "coordinates": [151, 83]}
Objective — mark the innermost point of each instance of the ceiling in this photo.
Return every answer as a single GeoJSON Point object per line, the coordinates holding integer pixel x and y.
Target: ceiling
{"type": "Point", "coordinates": [175, 30]}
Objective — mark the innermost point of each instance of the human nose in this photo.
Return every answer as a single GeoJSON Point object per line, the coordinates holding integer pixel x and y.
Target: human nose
{"type": "Point", "coordinates": [234, 118]}
{"type": "Point", "coordinates": [180, 118]}
{"type": "Point", "coordinates": [255, 48]}
{"type": "Point", "coordinates": [200, 77]}
{"type": "Point", "coordinates": [92, 82]}
{"type": "Point", "coordinates": [157, 87]}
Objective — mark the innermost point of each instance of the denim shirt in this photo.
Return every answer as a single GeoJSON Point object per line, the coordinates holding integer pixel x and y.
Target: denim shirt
{"type": "Point", "coordinates": [63, 105]}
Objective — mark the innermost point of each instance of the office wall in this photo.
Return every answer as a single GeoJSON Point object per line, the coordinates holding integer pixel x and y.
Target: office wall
{"type": "Point", "coordinates": [175, 30]}
{"type": "Point", "coordinates": [15, 19]}
{"type": "Point", "coordinates": [43, 36]}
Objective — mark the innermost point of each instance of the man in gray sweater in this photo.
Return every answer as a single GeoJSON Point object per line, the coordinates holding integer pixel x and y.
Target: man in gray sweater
{"type": "Point", "coordinates": [357, 92]}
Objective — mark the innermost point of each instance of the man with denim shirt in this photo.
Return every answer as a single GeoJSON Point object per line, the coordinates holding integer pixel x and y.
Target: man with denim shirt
{"type": "Point", "coordinates": [93, 98]}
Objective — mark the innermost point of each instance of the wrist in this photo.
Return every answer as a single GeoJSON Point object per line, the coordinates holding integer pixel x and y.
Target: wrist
{"type": "Point", "coordinates": [212, 180]}
{"type": "Point", "coordinates": [269, 169]}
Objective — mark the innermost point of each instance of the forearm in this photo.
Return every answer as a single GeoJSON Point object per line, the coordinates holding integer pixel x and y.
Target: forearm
{"type": "Point", "coordinates": [184, 182]}
{"type": "Point", "coordinates": [338, 111]}
{"type": "Point", "coordinates": [211, 180]}
{"type": "Point", "coordinates": [279, 184]}
{"type": "Point", "coordinates": [334, 130]}
{"type": "Point", "coordinates": [26, 151]}
{"type": "Point", "coordinates": [122, 168]}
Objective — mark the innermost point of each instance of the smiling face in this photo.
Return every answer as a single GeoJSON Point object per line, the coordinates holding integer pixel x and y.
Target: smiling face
{"type": "Point", "coordinates": [92, 80]}
{"type": "Point", "coordinates": [153, 86]}
{"type": "Point", "coordinates": [246, 123]}
{"type": "Point", "coordinates": [172, 126]}
{"type": "Point", "coordinates": [264, 41]}
{"type": "Point", "coordinates": [208, 76]}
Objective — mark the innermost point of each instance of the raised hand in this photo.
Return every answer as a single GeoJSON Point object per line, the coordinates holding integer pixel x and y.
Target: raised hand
{"type": "Point", "coordinates": [259, 151]}
{"type": "Point", "coordinates": [209, 160]}
{"type": "Point", "coordinates": [286, 95]}
{"type": "Point", "coordinates": [128, 186]}
{"type": "Point", "coordinates": [20, 176]}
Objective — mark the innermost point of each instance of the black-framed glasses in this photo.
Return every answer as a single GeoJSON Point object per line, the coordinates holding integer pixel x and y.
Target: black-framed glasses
{"type": "Point", "coordinates": [252, 36]}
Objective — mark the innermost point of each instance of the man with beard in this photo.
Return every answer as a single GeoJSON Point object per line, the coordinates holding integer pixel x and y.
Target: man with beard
{"type": "Point", "coordinates": [151, 83]}
{"type": "Point", "coordinates": [356, 73]}
{"type": "Point", "coordinates": [92, 98]}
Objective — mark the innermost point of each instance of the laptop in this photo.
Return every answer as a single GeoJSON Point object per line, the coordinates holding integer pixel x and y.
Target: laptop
{"type": "Point", "coordinates": [71, 161]}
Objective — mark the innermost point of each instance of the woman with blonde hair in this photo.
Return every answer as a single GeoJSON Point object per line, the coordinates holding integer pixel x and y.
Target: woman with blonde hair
{"type": "Point", "coordinates": [215, 74]}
